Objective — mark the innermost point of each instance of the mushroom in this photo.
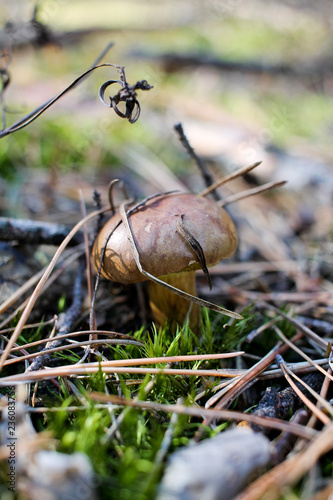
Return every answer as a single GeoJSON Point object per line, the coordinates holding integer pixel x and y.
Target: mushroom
{"type": "Point", "coordinates": [174, 235]}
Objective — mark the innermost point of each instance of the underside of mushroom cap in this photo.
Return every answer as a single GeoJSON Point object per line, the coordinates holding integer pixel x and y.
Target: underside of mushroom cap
{"type": "Point", "coordinates": [163, 249]}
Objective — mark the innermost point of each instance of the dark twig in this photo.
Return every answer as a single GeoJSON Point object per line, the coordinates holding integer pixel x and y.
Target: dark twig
{"type": "Point", "coordinates": [4, 80]}
{"type": "Point", "coordinates": [70, 318]}
{"type": "Point", "coordinates": [323, 343]}
{"type": "Point", "coordinates": [319, 324]}
{"type": "Point", "coordinates": [207, 177]}
{"type": "Point", "coordinates": [31, 232]}
{"type": "Point", "coordinates": [285, 442]}
{"type": "Point", "coordinates": [38, 34]}
{"type": "Point", "coordinates": [97, 199]}
{"type": "Point", "coordinates": [38, 111]}
{"type": "Point", "coordinates": [30, 117]}
{"type": "Point", "coordinates": [32, 32]}
{"type": "Point", "coordinates": [126, 93]}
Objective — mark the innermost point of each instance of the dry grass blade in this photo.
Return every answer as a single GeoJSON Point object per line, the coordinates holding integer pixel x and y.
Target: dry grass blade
{"type": "Point", "coordinates": [197, 411]}
{"type": "Point", "coordinates": [124, 336]}
{"type": "Point", "coordinates": [203, 393]}
{"type": "Point", "coordinates": [300, 367]}
{"type": "Point", "coordinates": [71, 346]}
{"type": "Point", "coordinates": [222, 389]}
{"type": "Point", "coordinates": [32, 325]}
{"type": "Point", "coordinates": [251, 192]}
{"type": "Point", "coordinates": [271, 485]}
{"type": "Point", "coordinates": [41, 284]}
{"type": "Point", "coordinates": [129, 341]}
{"type": "Point", "coordinates": [248, 377]}
{"type": "Point", "coordinates": [229, 177]}
{"type": "Point", "coordinates": [87, 369]}
{"type": "Point", "coordinates": [319, 414]}
{"type": "Point", "coordinates": [323, 393]}
{"type": "Point", "coordinates": [112, 367]}
{"type": "Point", "coordinates": [23, 122]}
{"type": "Point", "coordinates": [323, 343]}
{"type": "Point", "coordinates": [301, 353]}
{"type": "Point", "coordinates": [110, 195]}
{"type": "Point", "coordinates": [181, 293]}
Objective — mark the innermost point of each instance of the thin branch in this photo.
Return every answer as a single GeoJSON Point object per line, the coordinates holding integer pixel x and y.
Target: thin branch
{"type": "Point", "coordinates": [126, 93]}
{"type": "Point", "coordinates": [31, 232]}
{"type": "Point", "coordinates": [64, 264]}
{"type": "Point", "coordinates": [207, 177]}
{"type": "Point", "coordinates": [323, 343]}
{"type": "Point", "coordinates": [301, 353]}
{"type": "Point", "coordinates": [87, 369]}
{"type": "Point", "coordinates": [29, 118]}
{"type": "Point", "coordinates": [124, 336]}
{"type": "Point", "coordinates": [71, 316]}
{"type": "Point", "coordinates": [42, 283]}
{"type": "Point", "coordinates": [43, 357]}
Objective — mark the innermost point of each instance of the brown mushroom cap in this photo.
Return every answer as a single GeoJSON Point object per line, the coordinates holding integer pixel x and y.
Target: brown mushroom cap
{"type": "Point", "coordinates": [163, 250]}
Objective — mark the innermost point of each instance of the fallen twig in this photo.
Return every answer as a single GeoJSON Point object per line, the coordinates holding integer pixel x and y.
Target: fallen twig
{"type": "Point", "coordinates": [207, 177]}
{"type": "Point", "coordinates": [41, 285]}
{"type": "Point", "coordinates": [69, 319]}
{"type": "Point", "coordinates": [30, 232]}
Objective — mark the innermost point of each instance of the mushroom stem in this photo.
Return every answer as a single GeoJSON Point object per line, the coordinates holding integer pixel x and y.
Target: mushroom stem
{"type": "Point", "coordinates": [166, 305]}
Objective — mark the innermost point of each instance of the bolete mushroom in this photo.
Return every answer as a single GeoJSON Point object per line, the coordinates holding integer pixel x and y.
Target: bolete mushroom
{"type": "Point", "coordinates": [174, 235]}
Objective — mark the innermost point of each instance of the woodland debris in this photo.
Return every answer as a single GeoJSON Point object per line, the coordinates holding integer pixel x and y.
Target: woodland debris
{"type": "Point", "coordinates": [31, 232]}
{"type": "Point", "coordinates": [69, 319]}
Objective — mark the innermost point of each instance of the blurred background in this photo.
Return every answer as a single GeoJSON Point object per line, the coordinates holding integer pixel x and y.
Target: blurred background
{"type": "Point", "coordinates": [249, 81]}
